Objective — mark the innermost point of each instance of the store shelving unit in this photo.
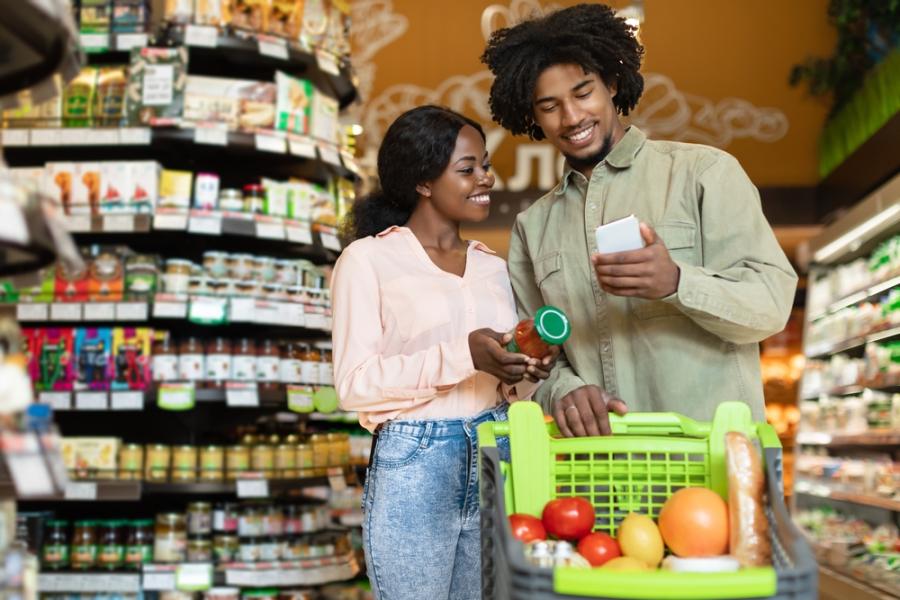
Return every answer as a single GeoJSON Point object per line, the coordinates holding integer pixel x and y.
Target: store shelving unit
{"type": "Point", "coordinates": [835, 585]}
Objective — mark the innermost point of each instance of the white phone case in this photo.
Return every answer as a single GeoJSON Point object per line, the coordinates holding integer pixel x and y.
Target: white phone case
{"type": "Point", "coordinates": [620, 235]}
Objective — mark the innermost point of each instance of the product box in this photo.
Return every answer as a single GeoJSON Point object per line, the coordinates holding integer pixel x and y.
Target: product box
{"type": "Point", "coordinates": [93, 349]}
{"type": "Point", "coordinates": [250, 15]}
{"type": "Point", "coordinates": [145, 185]}
{"type": "Point", "coordinates": [109, 99]}
{"type": "Point", "coordinates": [29, 114]}
{"type": "Point", "coordinates": [78, 99]}
{"type": "Point", "coordinates": [323, 205]}
{"type": "Point", "coordinates": [59, 182]}
{"type": "Point", "coordinates": [325, 118]}
{"type": "Point", "coordinates": [286, 18]}
{"type": "Point", "coordinates": [180, 11]}
{"type": "Point", "coordinates": [87, 186]}
{"type": "Point", "coordinates": [94, 457]}
{"type": "Point", "coordinates": [239, 103]}
{"type": "Point", "coordinates": [129, 16]}
{"type": "Point", "coordinates": [208, 12]}
{"type": "Point", "coordinates": [106, 277]}
{"type": "Point", "coordinates": [277, 193]}
{"type": "Point", "coordinates": [156, 81]}
{"type": "Point", "coordinates": [315, 23]}
{"type": "Point", "coordinates": [300, 200]}
{"type": "Point", "coordinates": [175, 189]}
{"type": "Point", "coordinates": [52, 367]}
{"type": "Point", "coordinates": [141, 276]}
{"type": "Point", "coordinates": [95, 16]}
{"type": "Point", "coordinates": [131, 358]}
{"type": "Point", "coordinates": [42, 289]}
{"type": "Point", "coordinates": [293, 107]}
{"type": "Point", "coordinates": [71, 284]}
{"type": "Point", "coordinates": [116, 187]}
{"type": "Point", "coordinates": [337, 36]}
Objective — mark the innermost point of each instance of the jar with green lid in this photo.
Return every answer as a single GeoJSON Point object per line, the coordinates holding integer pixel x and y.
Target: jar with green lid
{"type": "Point", "coordinates": [111, 546]}
{"type": "Point", "coordinates": [212, 463]}
{"type": "Point", "coordinates": [305, 460]}
{"type": "Point", "coordinates": [184, 463]}
{"type": "Point", "coordinates": [84, 545]}
{"type": "Point", "coordinates": [319, 443]}
{"type": "Point", "coordinates": [138, 544]}
{"type": "Point", "coordinates": [157, 461]}
{"type": "Point", "coordinates": [199, 518]}
{"type": "Point", "coordinates": [131, 462]}
{"type": "Point", "coordinates": [237, 461]}
{"type": "Point", "coordinates": [200, 549]}
{"type": "Point", "coordinates": [55, 553]}
{"type": "Point", "coordinates": [261, 594]}
{"type": "Point", "coordinates": [170, 538]}
{"type": "Point", "coordinates": [226, 548]}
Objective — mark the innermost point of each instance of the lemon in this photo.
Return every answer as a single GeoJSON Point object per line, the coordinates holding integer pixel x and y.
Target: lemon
{"type": "Point", "coordinates": [639, 538]}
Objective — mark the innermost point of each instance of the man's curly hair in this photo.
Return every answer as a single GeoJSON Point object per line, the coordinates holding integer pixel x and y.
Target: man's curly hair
{"type": "Point", "coordinates": [590, 35]}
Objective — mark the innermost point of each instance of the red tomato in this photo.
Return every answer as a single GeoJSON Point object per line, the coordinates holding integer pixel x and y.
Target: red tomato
{"type": "Point", "coordinates": [527, 528]}
{"type": "Point", "coordinates": [568, 518]}
{"type": "Point", "coordinates": [598, 548]}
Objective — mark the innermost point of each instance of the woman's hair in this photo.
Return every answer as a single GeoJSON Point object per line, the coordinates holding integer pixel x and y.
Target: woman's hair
{"type": "Point", "coordinates": [416, 148]}
{"type": "Point", "coordinates": [590, 35]}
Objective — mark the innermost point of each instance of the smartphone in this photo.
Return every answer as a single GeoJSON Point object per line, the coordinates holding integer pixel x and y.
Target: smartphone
{"type": "Point", "coordinates": [620, 235]}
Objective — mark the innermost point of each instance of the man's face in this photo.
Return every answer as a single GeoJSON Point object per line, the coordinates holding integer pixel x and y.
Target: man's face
{"type": "Point", "coordinates": [574, 108]}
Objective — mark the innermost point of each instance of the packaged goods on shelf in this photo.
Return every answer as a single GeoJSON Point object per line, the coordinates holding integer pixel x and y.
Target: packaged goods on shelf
{"type": "Point", "coordinates": [78, 99]}
{"type": "Point", "coordinates": [293, 105]}
{"type": "Point", "coordinates": [853, 322]}
{"type": "Point", "coordinates": [94, 457]}
{"type": "Point", "coordinates": [851, 415]}
{"type": "Point", "coordinates": [879, 367]}
{"type": "Point", "coordinates": [129, 16]}
{"type": "Point", "coordinates": [156, 82]}
{"type": "Point", "coordinates": [870, 474]}
{"type": "Point", "coordinates": [28, 114]}
{"type": "Point", "coordinates": [239, 104]}
{"type": "Point", "coordinates": [95, 16]}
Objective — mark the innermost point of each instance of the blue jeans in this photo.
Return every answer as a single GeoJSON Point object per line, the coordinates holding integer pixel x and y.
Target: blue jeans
{"type": "Point", "coordinates": [421, 531]}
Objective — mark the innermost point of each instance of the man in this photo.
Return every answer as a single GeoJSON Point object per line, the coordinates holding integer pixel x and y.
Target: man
{"type": "Point", "coordinates": [673, 326]}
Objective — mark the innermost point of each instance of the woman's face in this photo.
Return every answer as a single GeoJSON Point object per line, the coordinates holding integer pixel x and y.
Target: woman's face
{"type": "Point", "coordinates": [461, 193]}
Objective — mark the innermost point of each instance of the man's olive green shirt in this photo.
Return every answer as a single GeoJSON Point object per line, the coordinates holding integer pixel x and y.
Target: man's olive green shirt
{"type": "Point", "coordinates": [686, 352]}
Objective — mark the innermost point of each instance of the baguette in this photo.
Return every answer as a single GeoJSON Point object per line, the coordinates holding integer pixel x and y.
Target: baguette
{"type": "Point", "coordinates": [749, 531]}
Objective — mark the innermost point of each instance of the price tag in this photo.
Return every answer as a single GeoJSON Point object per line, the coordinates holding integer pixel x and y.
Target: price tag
{"type": "Point", "coordinates": [99, 311]}
{"type": "Point", "coordinates": [78, 223]}
{"type": "Point", "coordinates": [131, 311]}
{"type": "Point", "coordinates": [267, 312]}
{"type": "Point", "coordinates": [270, 231]}
{"type": "Point", "coordinates": [127, 41]}
{"type": "Point", "coordinates": [176, 396]}
{"type": "Point", "coordinates": [202, 36]}
{"type": "Point", "coordinates": [243, 310]}
{"type": "Point", "coordinates": [330, 241]}
{"type": "Point", "coordinates": [91, 401]}
{"type": "Point", "coordinates": [103, 137]}
{"type": "Point", "coordinates": [241, 394]}
{"type": "Point", "coordinates": [159, 582]}
{"type": "Point", "coordinates": [214, 136]}
{"type": "Point", "coordinates": [175, 221]}
{"type": "Point", "coordinates": [208, 311]}
{"type": "Point", "coordinates": [127, 400]}
{"type": "Point", "coordinates": [58, 400]}
{"type": "Point", "coordinates": [65, 311]}
{"type": "Point", "coordinates": [330, 155]}
{"type": "Point", "coordinates": [81, 490]}
{"type": "Point", "coordinates": [31, 312]}
{"type": "Point", "coordinates": [327, 62]}
{"type": "Point", "coordinates": [135, 136]}
{"type": "Point", "coordinates": [336, 479]}
{"type": "Point", "coordinates": [270, 143]}
{"type": "Point", "coordinates": [118, 223]}
{"type": "Point", "coordinates": [252, 488]}
{"type": "Point", "coordinates": [194, 577]}
{"type": "Point", "coordinates": [273, 46]}
{"type": "Point", "coordinates": [76, 137]}
{"type": "Point", "coordinates": [94, 41]}
{"type": "Point", "coordinates": [15, 137]}
{"type": "Point", "coordinates": [315, 321]}
{"type": "Point", "coordinates": [45, 137]}
{"type": "Point", "coordinates": [293, 314]}
{"type": "Point", "coordinates": [298, 232]}
{"type": "Point", "coordinates": [205, 225]}
{"type": "Point", "coordinates": [302, 147]}
{"type": "Point", "coordinates": [170, 310]}
{"type": "Point", "coordinates": [300, 399]}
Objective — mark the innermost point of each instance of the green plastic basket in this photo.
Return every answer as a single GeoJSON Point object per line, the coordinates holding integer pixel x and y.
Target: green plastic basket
{"type": "Point", "coordinates": [648, 457]}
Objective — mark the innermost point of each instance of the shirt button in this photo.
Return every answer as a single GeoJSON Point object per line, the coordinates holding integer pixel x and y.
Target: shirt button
{"type": "Point", "coordinates": [605, 347]}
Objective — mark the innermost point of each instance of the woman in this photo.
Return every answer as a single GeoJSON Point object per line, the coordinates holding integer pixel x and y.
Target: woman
{"type": "Point", "coordinates": [419, 353]}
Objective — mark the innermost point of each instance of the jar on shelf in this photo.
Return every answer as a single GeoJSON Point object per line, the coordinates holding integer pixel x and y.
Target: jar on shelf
{"type": "Point", "coordinates": [231, 200]}
{"type": "Point", "coordinates": [250, 523]}
{"type": "Point", "coordinates": [320, 454]}
{"type": "Point", "coordinates": [249, 549]}
{"type": "Point", "coordinates": [164, 362]}
{"type": "Point", "coordinates": [305, 460]}
{"type": "Point", "coordinates": [261, 594]}
{"type": "Point", "coordinates": [273, 520]}
{"type": "Point", "coordinates": [268, 363]}
{"type": "Point", "coordinates": [237, 461]}
{"type": "Point", "coordinates": [333, 443]}
{"type": "Point", "coordinates": [158, 458]}
{"type": "Point", "coordinates": [286, 461]}
{"type": "Point", "coordinates": [309, 365]}
{"type": "Point", "coordinates": [84, 545]}
{"type": "Point", "coordinates": [242, 266]}
{"type": "Point", "coordinates": [262, 459]}
{"type": "Point", "coordinates": [177, 276]}
{"type": "Point", "coordinates": [170, 538]}
{"type": "Point", "coordinates": [55, 553]}
{"type": "Point", "coordinates": [111, 545]}
{"type": "Point", "coordinates": [226, 548]}
{"type": "Point", "coordinates": [226, 516]}
{"type": "Point", "coordinates": [270, 549]}
{"type": "Point", "coordinates": [216, 264]}
{"type": "Point", "coordinates": [206, 191]}
{"type": "Point", "coordinates": [212, 463]}
{"type": "Point", "coordinates": [218, 362]}
{"type": "Point", "coordinates": [244, 360]}
{"type": "Point", "coordinates": [199, 518]}
{"type": "Point", "coordinates": [254, 198]}
{"type": "Point", "coordinates": [200, 549]}
{"type": "Point", "coordinates": [191, 360]}
{"type": "Point", "coordinates": [286, 272]}
{"type": "Point", "coordinates": [199, 286]}
{"type": "Point", "coordinates": [289, 364]}
{"type": "Point", "coordinates": [184, 463]}
{"type": "Point", "coordinates": [131, 462]}
{"type": "Point", "coordinates": [264, 269]}
{"type": "Point", "coordinates": [326, 368]}
{"type": "Point", "coordinates": [139, 544]}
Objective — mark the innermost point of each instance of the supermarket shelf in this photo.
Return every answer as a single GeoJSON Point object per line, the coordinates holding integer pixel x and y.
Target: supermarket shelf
{"type": "Point", "coordinates": [888, 386]}
{"type": "Point", "coordinates": [878, 437]}
{"type": "Point", "coordinates": [838, 586]}
{"type": "Point", "coordinates": [822, 351]}
{"type": "Point", "coordinates": [867, 293]}
{"type": "Point", "coordinates": [309, 572]}
{"type": "Point", "coordinates": [822, 491]}
{"type": "Point", "coordinates": [121, 583]}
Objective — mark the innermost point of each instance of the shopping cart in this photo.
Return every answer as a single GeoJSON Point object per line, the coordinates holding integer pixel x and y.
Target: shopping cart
{"type": "Point", "coordinates": [648, 457]}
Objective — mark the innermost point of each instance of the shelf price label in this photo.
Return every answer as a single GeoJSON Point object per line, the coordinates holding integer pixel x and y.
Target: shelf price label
{"type": "Point", "coordinates": [91, 401]}
{"type": "Point", "coordinates": [270, 143]}
{"type": "Point", "coordinates": [135, 136]}
{"type": "Point", "coordinates": [273, 46]}
{"type": "Point", "coordinates": [202, 36]}
{"type": "Point", "coordinates": [58, 400]}
{"type": "Point", "coordinates": [300, 399]}
{"type": "Point", "coordinates": [131, 400]}
{"type": "Point", "coordinates": [211, 135]}
{"type": "Point", "coordinates": [127, 41]}
{"type": "Point", "coordinates": [270, 230]}
{"type": "Point", "coordinates": [330, 241]}
{"type": "Point", "coordinates": [65, 311]}
{"type": "Point", "coordinates": [298, 232]}
{"type": "Point", "coordinates": [205, 225]}
{"type": "Point", "coordinates": [31, 312]}
{"type": "Point", "coordinates": [330, 155]}
{"type": "Point", "coordinates": [327, 62]}
{"type": "Point", "coordinates": [159, 581]}
{"type": "Point", "coordinates": [194, 577]}
{"type": "Point", "coordinates": [170, 310]}
{"type": "Point", "coordinates": [176, 396]}
{"type": "Point", "coordinates": [14, 137]}
{"type": "Point", "coordinates": [336, 479]}
{"type": "Point", "coordinates": [78, 223]}
{"type": "Point", "coordinates": [208, 311]}
{"type": "Point", "coordinates": [118, 223]}
{"type": "Point", "coordinates": [99, 311]}
{"type": "Point", "coordinates": [81, 490]}
{"type": "Point", "coordinates": [302, 147]}
{"type": "Point", "coordinates": [241, 394]}
{"type": "Point", "coordinates": [131, 311]}
{"type": "Point", "coordinates": [252, 488]}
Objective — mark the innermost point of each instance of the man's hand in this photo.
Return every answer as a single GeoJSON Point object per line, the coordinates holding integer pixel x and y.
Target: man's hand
{"type": "Point", "coordinates": [648, 273]}
{"type": "Point", "coordinates": [541, 369]}
{"type": "Point", "coordinates": [585, 411]}
{"type": "Point", "coordinates": [488, 348]}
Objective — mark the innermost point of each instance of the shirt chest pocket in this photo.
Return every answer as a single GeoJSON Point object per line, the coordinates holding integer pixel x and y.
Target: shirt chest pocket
{"type": "Point", "coordinates": [550, 278]}
{"type": "Point", "coordinates": [411, 312]}
{"type": "Point", "coordinates": [680, 239]}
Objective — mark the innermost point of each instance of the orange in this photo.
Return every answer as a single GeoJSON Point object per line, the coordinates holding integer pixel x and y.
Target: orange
{"type": "Point", "coordinates": [694, 523]}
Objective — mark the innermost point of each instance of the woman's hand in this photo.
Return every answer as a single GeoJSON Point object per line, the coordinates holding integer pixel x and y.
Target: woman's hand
{"type": "Point", "coordinates": [488, 349]}
{"type": "Point", "coordinates": [543, 367]}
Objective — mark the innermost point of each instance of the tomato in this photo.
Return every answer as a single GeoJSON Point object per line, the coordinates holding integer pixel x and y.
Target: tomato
{"type": "Point", "coordinates": [568, 518]}
{"type": "Point", "coordinates": [598, 548]}
{"type": "Point", "coordinates": [527, 528]}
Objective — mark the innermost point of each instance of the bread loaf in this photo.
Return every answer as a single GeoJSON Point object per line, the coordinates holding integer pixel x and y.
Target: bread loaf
{"type": "Point", "coordinates": [749, 535]}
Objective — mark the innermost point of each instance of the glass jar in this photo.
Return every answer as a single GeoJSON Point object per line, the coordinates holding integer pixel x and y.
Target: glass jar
{"type": "Point", "coordinates": [170, 538]}
{"type": "Point", "coordinates": [326, 368]}
{"type": "Point", "coordinates": [286, 272]}
{"type": "Point", "coordinates": [218, 362]}
{"type": "Point", "coordinates": [84, 545]}
{"type": "Point", "coordinates": [249, 549]}
{"type": "Point", "coordinates": [223, 593]}
{"type": "Point", "coordinates": [55, 553]}
{"type": "Point", "coordinates": [226, 517]}
{"type": "Point", "coordinates": [242, 266]}
{"type": "Point", "coordinates": [216, 264]}
{"type": "Point", "coordinates": [297, 548]}
{"type": "Point", "coordinates": [199, 549]}
{"type": "Point", "coordinates": [534, 337]}
{"type": "Point", "coordinates": [139, 544]}
{"type": "Point", "coordinates": [270, 549]}
{"type": "Point", "coordinates": [293, 519]}
{"type": "Point", "coordinates": [244, 361]}
{"type": "Point", "coordinates": [289, 364]}
{"type": "Point", "coordinates": [254, 198]}
{"type": "Point", "coordinates": [273, 520]}
{"type": "Point", "coordinates": [199, 286]}
{"type": "Point", "coordinates": [261, 594]}
{"type": "Point", "coordinates": [305, 460]}
{"type": "Point", "coordinates": [212, 463]}
{"type": "Point", "coordinates": [262, 458]}
{"type": "Point", "coordinates": [177, 276]}
{"type": "Point", "coordinates": [111, 552]}
{"type": "Point", "coordinates": [199, 518]}
{"type": "Point", "coordinates": [268, 362]}
{"type": "Point", "coordinates": [265, 269]}
{"type": "Point", "coordinates": [309, 365]}
{"type": "Point", "coordinates": [237, 461]}
{"type": "Point", "coordinates": [319, 442]}
{"type": "Point", "coordinates": [184, 463]}
{"type": "Point", "coordinates": [191, 360]}
{"type": "Point", "coordinates": [231, 200]}
{"type": "Point", "coordinates": [157, 463]}
{"type": "Point", "coordinates": [286, 461]}
{"type": "Point", "coordinates": [250, 523]}
{"type": "Point", "coordinates": [247, 288]}
{"type": "Point", "coordinates": [164, 364]}
{"type": "Point", "coordinates": [226, 548]}
{"type": "Point", "coordinates": [131, 462]}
